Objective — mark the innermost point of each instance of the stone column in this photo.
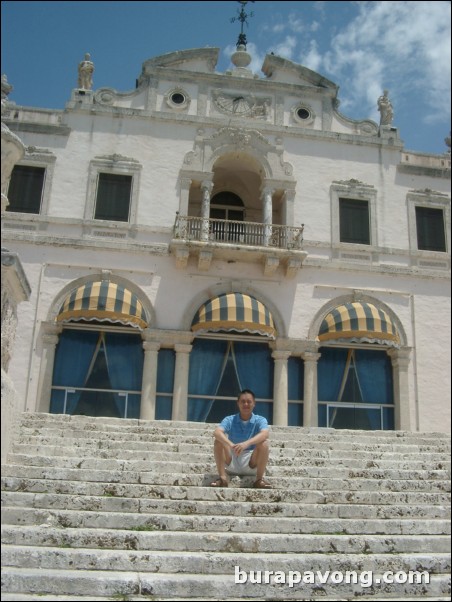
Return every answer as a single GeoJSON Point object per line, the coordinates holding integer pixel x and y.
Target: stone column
{"type": "Point", "coordinates": [149, 383]}
{"type": "Point", "coordinates": [403, 412]}
{"type": "Point", "coordinates": [206, 188]}
{"type": "Point", "coordinates": [288, 207]}
{"type": "Point", "coordinates": [280, 388]}
{"type": "Point", "coordinates": [180, 391]}
{"type": "Point", "coordinates": [49, 340]}
{"type": "Point", "coordinates": [288, 217]}
{"type": "Point", "coordinates": [267, 214]}
{"type": "Point", "coordinates": [310, 401]}
{"type": "Point", "coordinates": [185, 184]}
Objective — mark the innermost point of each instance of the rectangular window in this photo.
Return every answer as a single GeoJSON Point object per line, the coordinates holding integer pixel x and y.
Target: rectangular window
{"type": "Point", "coordinates": [25, 189]}
{"type": "Point", "coordinates": [430, 229]}
{"type": "Point", "coordinates": [113, 197]}
{"type": "Point", "coordinates": [354, 221]}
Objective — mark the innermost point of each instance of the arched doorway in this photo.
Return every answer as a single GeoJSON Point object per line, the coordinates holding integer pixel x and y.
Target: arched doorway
{"type": "Point", "coordinates": [355, 376]}
{"type": "Point", "coordinates": [227, 213]}
{"type": "Point", "coordinates": [230, 353]}
{"type": "Point", "coordinates": [99, 357]}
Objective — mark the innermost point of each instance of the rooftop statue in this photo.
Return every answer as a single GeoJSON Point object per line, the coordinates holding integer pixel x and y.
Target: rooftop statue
{"type": "Point", "coordinates": [85, 73]}
{"type": "Point", "coordinates": [385, 108]}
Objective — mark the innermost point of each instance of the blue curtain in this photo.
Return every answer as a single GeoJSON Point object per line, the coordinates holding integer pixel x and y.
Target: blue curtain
{"type": "Point", "coordinates": [295, 369]}
{"type": "Point", "coordinates": [295, 417]}
{"type": "Point", "coordinates": [255, 371]}
{"type": "Point", "coordinates": [165, 382]}
{"type": "Point", "coordinates": [374, 372]}
{"type": "Point", "coordinates": [73, 357]}
{"type": "Point", "coordinates": [331, 369]}
{"type": "Point", "coordinates": [124, 354]}
{"type": "Point", "coordinates": [206, 363]}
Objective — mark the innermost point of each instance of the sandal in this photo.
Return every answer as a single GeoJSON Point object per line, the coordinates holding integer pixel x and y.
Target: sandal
{"type": "Point", "coordinates": [220, 482]}
{"type": "Point", "coordinates": [262, 484]}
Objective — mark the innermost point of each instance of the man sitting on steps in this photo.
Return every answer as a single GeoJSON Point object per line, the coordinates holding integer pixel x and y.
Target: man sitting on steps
{"type": "Point", "coordinates": [241, 445]}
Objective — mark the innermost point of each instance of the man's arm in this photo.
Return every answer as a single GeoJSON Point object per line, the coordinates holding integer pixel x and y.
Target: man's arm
{"type": "Point", "coordinates": [221, 436]}
{"type": "Point", "coordinates": [259, 438]}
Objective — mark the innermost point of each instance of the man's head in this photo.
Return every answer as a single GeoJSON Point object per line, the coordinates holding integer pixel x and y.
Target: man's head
{"type": "Point", "coordinates": [246, 402]}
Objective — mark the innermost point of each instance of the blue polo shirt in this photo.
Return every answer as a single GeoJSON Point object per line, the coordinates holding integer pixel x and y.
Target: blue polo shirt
{"type": "Point", "coordinates": [238, 430]}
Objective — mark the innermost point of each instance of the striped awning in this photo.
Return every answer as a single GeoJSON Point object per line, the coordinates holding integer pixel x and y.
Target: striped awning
{"type": "Point", "coordinates": [234, 312]}
{"type": "Point", "coordinates": [103, 301]}
{"type": "Point", "coordinates": [359, 322]}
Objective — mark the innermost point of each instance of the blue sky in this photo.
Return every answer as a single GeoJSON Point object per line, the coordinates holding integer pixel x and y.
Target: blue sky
{"type": "Point", "coordinates": [363, 47]}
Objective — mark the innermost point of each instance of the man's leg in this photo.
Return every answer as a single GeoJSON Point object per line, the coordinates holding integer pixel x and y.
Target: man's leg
{"type": "Point", "coordinates": [259, 459]}
{"type": "Point", "coordinates": [222, 458]}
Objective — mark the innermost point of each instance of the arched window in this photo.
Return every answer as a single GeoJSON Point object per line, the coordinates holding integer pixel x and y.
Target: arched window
{"type": "Point", "coordinates": [230, 353]}
{"type": "Point", "coordinates": [355, 381]}
{"type": "Point", "coordinates": [99, 357]}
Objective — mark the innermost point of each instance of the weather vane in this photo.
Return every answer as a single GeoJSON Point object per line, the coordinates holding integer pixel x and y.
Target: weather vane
{"type": "Point", "coordinates": [242, 17]}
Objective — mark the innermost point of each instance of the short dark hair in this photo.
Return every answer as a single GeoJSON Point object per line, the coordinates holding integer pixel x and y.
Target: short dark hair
{"type": "Point", "coordinates": [246, 391]}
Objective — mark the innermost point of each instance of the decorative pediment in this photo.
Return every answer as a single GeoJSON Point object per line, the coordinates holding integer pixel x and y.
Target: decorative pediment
{"type": "Point", "coordinates": [280, 69]}
{"type": "Point", "coordinates": [200, 60]}
{"type": "Point", "coordinates": [229, 139]}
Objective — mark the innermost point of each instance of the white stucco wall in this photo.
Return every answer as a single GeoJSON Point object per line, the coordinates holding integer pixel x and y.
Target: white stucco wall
{"type": "Point", "coordinates": [60, 247]}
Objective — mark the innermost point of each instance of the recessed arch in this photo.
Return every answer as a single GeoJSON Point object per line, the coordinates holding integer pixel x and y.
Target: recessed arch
{"type": "Point", "coordinates": [234, 312]}
{"type": "Point", "coordinates": [218, 290]}
{"type": "Point", "coordinates": [104, 298]}
{"type": "Point", "coordinates": [397, 338]}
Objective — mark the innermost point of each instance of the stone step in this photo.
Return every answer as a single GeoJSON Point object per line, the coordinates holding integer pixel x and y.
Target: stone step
{"type": "Point", "coordinates": [284, 440]}
{"type": "Point", "coordinates": [221, 542]}
{"type": "Point", "coordinates": [121, 509]}
{"type": "Point", "coordinates": [287, 487]}
{"type": "Point", "coordinates": [39, 420]}
{"type": "Point", "coordinates": [104, 583]}
{"type": "Point", "coordinates": [354, 481]}
{"type": "Point", "coordinates": [56, 598]}
{"type": "Point", "coordinates": [214, 563]}
{"type": "Point", "coordinates": [235, 524]}
{"type": "Point", "coordinates": [292, 436]}
{"type": "Point", "coordinates": [326, 470]}
{"type": "Point", "coordinates": [107, 502]}
{"type": "Point", "coordinates": [160, 451]}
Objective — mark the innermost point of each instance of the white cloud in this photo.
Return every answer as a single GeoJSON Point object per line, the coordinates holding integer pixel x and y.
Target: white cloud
{"type": "Point", "coordinates": [295, 24]}
{"type": "Point", "coordinates": [403, 46]}
{"type": "Point", "coordinates": [278, 28]}
{"type": "Point", "coordinates": [313, 60]}
{"type": "Point", "coordinates": [286, 47]}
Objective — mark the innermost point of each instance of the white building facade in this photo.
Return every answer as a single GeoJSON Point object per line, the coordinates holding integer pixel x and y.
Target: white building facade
{"type": "Point", "coordinates": [208, 232]}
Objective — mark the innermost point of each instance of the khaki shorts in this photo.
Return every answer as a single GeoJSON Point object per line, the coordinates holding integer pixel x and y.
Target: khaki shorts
{"type": "Point", "coordinates": [240, 465]}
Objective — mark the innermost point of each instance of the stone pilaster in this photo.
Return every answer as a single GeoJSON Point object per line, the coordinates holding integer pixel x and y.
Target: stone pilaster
{"type": "Point", "coordinates": [185, 184]}
{"type": "Point", "coordinates": [50, 338]}
{"type": "Point", "coordinates": [180, 391]}
{"type": "Point", "coordinates": [149, 383]}
{"type": "Point", "coordinates": [280, 388]}
{"type": "Point", "coordinates": [404, 413]}
{"type": "Point", "coordinates": [310, 401]}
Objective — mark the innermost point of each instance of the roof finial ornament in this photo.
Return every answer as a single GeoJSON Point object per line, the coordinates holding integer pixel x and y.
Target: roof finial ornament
{"type": "Point", "coordinates": [243, 18]}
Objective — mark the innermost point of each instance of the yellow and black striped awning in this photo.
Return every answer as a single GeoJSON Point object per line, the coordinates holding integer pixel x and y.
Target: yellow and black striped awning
{"type": "Point", "coordinates": [234, 312]}
{"type": "Point", "coordinates": [103, 301]}
{"type": "Point", "coordinates": [359, 322]}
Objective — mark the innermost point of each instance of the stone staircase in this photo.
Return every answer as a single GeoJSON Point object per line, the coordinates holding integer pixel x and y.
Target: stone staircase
{"type": "Point", "coordinates": [109, 509]}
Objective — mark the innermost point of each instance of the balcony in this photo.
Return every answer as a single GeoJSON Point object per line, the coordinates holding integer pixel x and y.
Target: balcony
{"type": "Point", "coordinates": [232, 241]}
